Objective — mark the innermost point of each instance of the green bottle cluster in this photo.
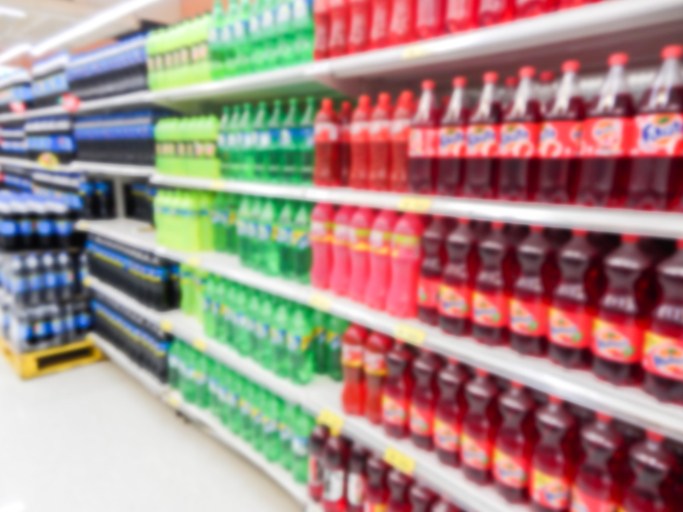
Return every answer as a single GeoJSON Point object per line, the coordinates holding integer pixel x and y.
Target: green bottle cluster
{"type": "Point", "coordinates": [179, 55]}
{"type": "Point", "coordinates": [187, 146]}
{"type": "Point", "coordinates": [277, 429]}
{"type": "Point", "coordinates": [183, 219]}
{"type": "Point", "coordinates": [256, 35]}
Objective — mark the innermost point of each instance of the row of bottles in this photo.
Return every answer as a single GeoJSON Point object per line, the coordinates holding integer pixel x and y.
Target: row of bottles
{"type": "Point", "coordinates": [187, 146]}
{"type": "Point", "coordinates": [183, 219]}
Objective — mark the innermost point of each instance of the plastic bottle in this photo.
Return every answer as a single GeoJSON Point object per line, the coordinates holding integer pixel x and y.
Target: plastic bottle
{"type": "Point", "coordinates": [360, 143]}
{"type": "Point", "coordinates": [492, 12]}
{"type": "Point", "coordinates": [341, 258]}
{"type": "Point", "coordinates": [658, 140]}
{"type": "Point", "coordinates": [422, 499]}
{"type": "Point", "coordinates": [449, 412]}
{"type": "Point", "coordinates": [305, 143]}
{"type": "Point", "coordinates": [399, 491]}
{"type": "Point", "coordinates": [519, 136]}
{"type": "Point", "coordinates": [430, 18]}
{"type": "Point", "coordinates": [285, 230]}
{"type": "Point", "coordinates": [378, 490]}
{"type": "Point", "coordinates": [400, 135]}
{"type": "Point", "coordinates": [453, 141]}
{"type": "Point", "coordinates": [379, 23]}
{"type": "Point", "coordinates": [321, 13]}
{"type": "Point", "coordinates": [606, 167]}
{"type": "Point", "coordinates": [357, 482]}
{"type": "Point", "coordinates": [359, 25]}
{"type": "Point", "coordinates": [402, 21]}
{"type": "Point", "coordinates": [360, 225]}
{"type": "Point", "coordinates": [272, 154]}
{"type": "Point", "coordinates": [289, 142]}
{"type": "Point", "coordinates": [335, 464]}
{"type": "Point", "coordinates": [433, 262]}
{"type": "Point", "coordinates": [529, 8]}
{"type": "Point", "coordinates": [345, 114]}
{"type": "Point", "coordinates": [380, 143]}
{"type": "Point", "coordinates": [398, 389]}
{"type": "Point", "coordinates": [377, 347]}
{"type": "Point", "coordinates": [322, 229]}
{"type": "Point", "coordinates": [339, 28]}
{"type": "Point", "coordinates": [405, 266]}
{"type": "Point", "coordinates": [267, 237]}
{"type": "Point", "coordinates": [380, 259]}
{"type": "Point", "coordinates": [353, 351]}
{"type": "Point", "coordinates": [327, 163]}
{"type": "Point", "coordinates": [424, 398]}
{"type": "Point", "coordinates": [299, 345]}
{"type": "Point", "coordinates": [424, 142]}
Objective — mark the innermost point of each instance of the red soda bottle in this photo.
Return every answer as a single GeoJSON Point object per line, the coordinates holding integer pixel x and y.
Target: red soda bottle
{"type": "Point", "coordinates": [380, 259]}
{"type": "Point", "coordinates": [553, 463]}
{"type": "Point", "coordinates": [519, 135]}
{"type": "Point", "coordinates": [598, 486]}
{"type": "Point", "coordinates": [422, 499]}
{"type": "Point", "coordinates": [433, 261]}
{"type": "Point", "coordinates": [377, 347]}
{"type": "Point", "coordinates": [398, 389]}
{"type": "Point", "coordinates": [380, 143]}
{"type": "Point", "coordinates": [321, 12]}
{"type": "Point", "coordinates": [532, 293]}
{"type": "Point", "coordinates": [405, 266]}
{"type": "Point", "coordinates": [450, 411]}
{"type": "Point", "coordinates": [560, 142]}
{"type": "Point", "coordinates": [335, 468]}
{"type": "Point", "coordinates": [606, 141]}
{"type": "Point", "coordinates": [402, 21]}
{"type": "Point", "coordinates": [399, 491]}
{"type": "Point", "coordinates": [359, 238]}
{"type": "Point", "coordinates": [480, 427]}
{"type": "Point", "coordinates": [345, 142]}
{"type": "Point", "coordinates": [339, 28]}
{"type": "Point", "coordinates": [423, 146]}
{"type": "Point", "coordinates": [431, 18]}
{"type": "Point", "coordinates": [357, 482]}
{"type": "Point", "coordinates": [514, 443]}
{"type": "Point", "coordinates": [327, 170]}
{"type": "Point", "coordinates": [424, 398]}
{"type": "Point", "coordinates": [658, 145]}
{"type": "Point", "coordinates": [353, 346]}
{"type": "Point", "coordinates": [360, 143]}
{"type": "Point", "coordinates": [492, 12]}
{"type": "Point", "coordinates": [483, 135]}
{"type": "Point", "coordinates": [341, 260]}
{"type": "Point", "coordinates": [359, 25]}
{"type": "Point", "coordinates": [379, 23]}
{"type": "Point", "coordinates": [453, 141]}
{"type": "Point", "coordinates": [315, 462]}
{"type": "Point", "coordinates": [322, 230]}
{"type": "Point", "coordinates": [378, 489]}
{"type": "Point", "coordinates": [461, 15]}
{"type": "Point", "coordinates": [400, 135]}
{"type": "Point", "coordinates": [663, 352]}
{"type": "Point", "coordinates": [528, 8]}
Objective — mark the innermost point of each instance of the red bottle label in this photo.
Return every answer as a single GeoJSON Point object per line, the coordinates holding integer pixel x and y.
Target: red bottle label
{"type": "Point", "coordinates": [405, 246]}
{"type": "Point", "coordinates": [454, 301]}
{"type": "Point", "coordinates": [380, 130]}
{"type": "Point", "coordinates": [519, 140]}
{"type": "Point", "coordinates": [622, 343]}
{"type": "Point", "coordinates": [359, 239]}
{"type": "Point", "coordinates": [321, 232]}
{"type": "Point", "coordinates": [423, 143]}
{"type": "Point", "coordinates": [658, 135]}
{"type": "Point", "coordinates": [375, 364]}
{"type": "Point", "coordinates": [510, 470]}
{"type": "Point", "coordinates": [583, 502]}
{"type": "Point", "coordinates": [421, 420]}
{"type": "Point", "coordinates": [325, 132]}
{"type": "Point", "coordinates": [476, 453]}
{"type": "Point", "coordinates": [352, 355]}
{"type": "Point", "coordinates": [452, 142]}
{"type": "Point", "coordinates": [569, 329]}
{"type": "Point", "coordinates": [446, 435]}
{"type": "Point", "coordinates": [380, 242]}
{"type": "Point", "coordinates": [400, 130]}
{"type": "Point", "coordinates": [394, 412]}
{"type": "Point", "coordinates": [482, 140]}
{"type": "Point", "coordinates": [607, 137]}
{"type": "Point", "coordinates": [549, 491]}
{"type": "Point", "coordinates": [428, 292]}
{"type": "Point", "coordinates": [663, 356]}
{"type": "Point", "coordinates": [360, 131]}
{"type": "Point", "coordinates": [560, 139]}
{"type": "Point", "coordinates": [528, 318]}
{"type": "Point", "coordinates": [490, 309]}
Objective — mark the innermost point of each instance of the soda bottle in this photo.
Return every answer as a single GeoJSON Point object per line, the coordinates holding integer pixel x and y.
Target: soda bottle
{"type": "Point", "coordinates": [492, 12]}
{"type": "Point", "coordinates": [450, 410]}
{"type": "Point", "coordinates": [479, 428]}
{"type": "Point", "coordinates": [345, 114]}
{"type": "Point", "coordinates": [453, 141]}
{"type": "Point", "coordinates": [299, 345]}
{"type": "Point", "coordinates": [268, 237]}
{"type": "Point", "coordinates": [336, 327]}
{"type": "Point", "coordinates": [359, 251]}
{"type": "Point", "coordinates": [402, 21]}
{"type": "Point", "coordinates": [380, 143]}
{"type": "Point", "coordinates": [278, 338]}
{"type": "Point", "coordinates": [658, 139]}
{"type": "Point", "coordinates": [261, 143]}
{"type": "Point", "coordinates": [301, 244]}
{"type": "Point", "coordinates": [560, 140]}
{"type": "Point", "coordinates": [606, 167]}
{"type": "Point", "coordinates": [483, 136]}
{"type": "Point", "coordinates": [529, 8]}
{"type": "Point", "coordinates": [305, 142]}
{"type": "Point", "coordinates": [353, 348]}
{"type": "Point", "coordinates": [359, 25]}
{"type": "Point", "coordinates": [321, 13]}
{"type": "Point", "coordinates": [554, 459]}
{"type": "Point", "coordinates": [400, 135]}
{"type": "Point", "coordinates": [289, 147]}
{"type": "Point", "coordinates": [380, 259]}
{"type": "Point", "coordinates": [322, 229]}
{"type": "Point", "coordinates": [360, 143]}
{"type": "Point", "coordinates": [320, 320]}
{"type": "Point", "coordinates": [357, 482]}
{"type": "Point", "coordinates": [270, 142]}
{"type": "Point", "coordinates": [379, 23]}
{"type": "Point", "coordinates": [423, 144]}
{"type": "Point", "coordinates": [514, 443]}
{"type": "Point", "coordinates": [341, 258]}
{"type": "Point", "coordinates": [422, 499]}
{"type": "Point", "coordinates": [327, 169]}
{"type": "Point", "coordinates": [337, 43]}
{"type": "Point", "coordinates": [424, 398]}
{"type": "Point", "coordinates": [378, 490]}
{"type": "Point", "coordinates": [399, 492]}
{"type": "Point", "coordinates": [430, 18]}
{"type": "Point", "coordinates": [284, 238]}
{"type": "Point", "coordinates": [335, 471]}
{"type": "Point", "coordinates": [316, 448]}
{"type": "Point", "coordinates": [377, 347]}
{"type": "Point", "coordinates": [547, 90]}
{"type": "Point", "coordinates": [433, 262]}
{"type": "Point", "coordinates": [461, 15]}
{"type": "Point", "coordinates": [398, 389]}
{"type": "Point", "coordinates": [519, 135]}
{"type": "Point", "coordinates": [405, 266]}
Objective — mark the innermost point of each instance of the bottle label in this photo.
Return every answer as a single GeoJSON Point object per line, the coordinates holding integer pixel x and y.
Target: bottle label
{"type": "Point", "coordinates": [300, 239]}
{"type": "Point", "coordinates": [421, 420]}
{"type": "Point", "coordinates": [519, 140]}
{"type": "Point", "coordinates": [298, 343]}
{"type": "Point", "coordinates": [583, 502]}
{"type": "Point", "coordinates": [560, 139]}
{"type": "Point", "coordinates": [663, 356]}
{"type": "Point", "coordinates": [341, 235]}
{"type": "Point", "coordinates": [423, 142]}
{"type": "Point", "coordinates": [452, 142]}
{"type": "Point", "coordinates": [334, 485]}
{"type": "Point", "coordinates": [621, 343]}
{"type": "Point", "coordinates": [375, 364]}
{"type": "Point", "coordinates": [509, 470]}
{"type": "Point", "coordinates": [380, 130]}
{"type": "Point", "coordinates": [569, 329]}
{"type": "Point", "coordinates": [352, 355]}
{"type": "Point", "coordinates": [482, 140]}
{"type": "Point", "coordinates": [321, 232]}
{"type": "Point", "coordinates": [380, 242]}
{"type": "Point", "coordinates": [549, 491]}
{"type": "Point", "coordinates": [356, 489]}
{"type": "Point", "coordinates": [606, 137]}
{"type": "Point", "coordinates": [375, 507]}
{"type": "Point", "coordinates": [476, 453]}
{"type": "Point", "coordinates": [360, 131]}
{"type": "Point", "coordinates": [394, 412]}
{"type": "Point", "coordinates": [325, 132]}
{"type": "Point", "coordinates": [490, 309]}
{"type": "Point", "coordinates": [446, 435]}
{"type": "Point", "coordinates": [529, 318]}
{"type": "Point", "coordinates": [400, 130]}
{"type": "Point", "coordinates": [659, 135]}
{"type": "Point", "coordinates": [428, 292]}
{"type": "Point", "coordinates": [359, 239]}
{"type": "Point", "coordinates": [405, 246]}
{"type": "Point", "coordinates": [454, 300]}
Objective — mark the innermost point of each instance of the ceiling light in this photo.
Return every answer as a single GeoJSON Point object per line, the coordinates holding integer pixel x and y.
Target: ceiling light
{"type": "Point", "coordinates": [14, 52]}
{"type": "Point", "coordinates": [11, 12]}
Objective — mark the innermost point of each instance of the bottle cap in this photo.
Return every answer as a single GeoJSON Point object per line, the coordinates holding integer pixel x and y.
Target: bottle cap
{"type": "Point", "coordinates": [554, 399]}
{"type": "Point", "coordinates": [536, 228]}
{"type": "Point", "coordinates": [527, 72]}
{"type": "Point", "coordinates": [629, 239]}
{"type": "Point", "coordinates": [579, 232]}
{"type": "Point", "coordinates": [673, 51]}
{"type": "Point", "coordinates": [364, 101]}
{"type": "Point", "coordinates": [571, 66]}
{"type": "Point", "coordinates": [428, 85]}
{"type": "Point", "coordinates": [547, 76]}
{"type": "Point", "coordinates": [618, 59]}
{"type": "Point", "coordinates": [601, 416]}
{"type": "Point", "coordinates": [384, 98]}
{"type": "Point", "coordinates": [654, 436]}
{"type": "Point", "coordinates": [516, 385]}
{"type": "Point", "coordinates": [679, 243]}
{"type": "Point", "coordinates": [481, 373]}
{"type": "Point", "coordinates": [497, 224]}
{"type": "Point", "coordinates": [459, 81]}
{"type": "Point", "coordinates": [490, 77]}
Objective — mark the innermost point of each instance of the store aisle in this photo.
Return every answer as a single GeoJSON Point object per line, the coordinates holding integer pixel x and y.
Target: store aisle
{"type": "Point", "coordinates": [93, 439]}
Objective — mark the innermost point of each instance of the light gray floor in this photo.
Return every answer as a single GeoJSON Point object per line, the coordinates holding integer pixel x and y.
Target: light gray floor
{"type": "Point", "coordinates": [93, 440]}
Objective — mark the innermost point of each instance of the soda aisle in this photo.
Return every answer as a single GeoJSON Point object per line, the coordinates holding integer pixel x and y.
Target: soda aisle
{"type": "Point", "coordinates": [396, 255]}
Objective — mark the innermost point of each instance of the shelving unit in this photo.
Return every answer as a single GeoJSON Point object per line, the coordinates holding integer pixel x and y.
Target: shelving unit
{"type": "Point", "coordinates": [82, 167]}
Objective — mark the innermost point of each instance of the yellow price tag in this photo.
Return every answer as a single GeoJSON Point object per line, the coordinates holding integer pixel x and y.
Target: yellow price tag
{"type": "Point", "coordinates": [332, 420]}
{"type": "Point", "coordinates": [414, 51]}
{"type": "Point", "coordinates": [399, 460]}
{"type": "Point", "coordinates": [319, 301]}
{"type": "Point", "coordinates": [194, 261]}
{"type": "Point", "coordinates": [216, 185]}
{"type": "Point", "coordinates": [87, 282]}
{"type": "Point", "coordinates": [166, 325]}
{"type": "Point", "coordinates": [410, 334]}
{"type": "Point", "coordinates": [173, 399]}
{"type": "Point", "coordinates": [415, 204]}
{"type": "Point", "coordinates": [83, 225]}
{"type": "Point", "coordinates": [199, 344]}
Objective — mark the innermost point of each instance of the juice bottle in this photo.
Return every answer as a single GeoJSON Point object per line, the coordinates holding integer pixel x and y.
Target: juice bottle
{"type": "Point", "coordinates": [658, 140]}
{"type": "Point", "coordinates": [353, 347]}
{"type": "Point", "coordinates": [345, 114]}
{"type": "Point", "coordinates": [434, 251]}
{"type": "Point", "coordinates": [532, 293]}
{"type": "Point", "coordinates": [398, 389]}
{"type": "Point", "coordinates": [379, 23]}
{"type": "Point", "coordinates": [380, 143]}
{"type": "Point", "coordinates": [554, 459]}
{"type": "Point", "coordinates": [360, 143]}
{"type": "Point", "coordinates": [560, 140]}
{"type": "Point", "coordinates": [377, 347]}
{"type": "Point", "coordinates": [606, 141]}
{"type": "Point", "coordinates": [461, 15]}
{"type": "Point", "coordinates": [528, 8]}
{"type": "Point", "coordinates": [430, 18]}
{"type": "Point", "coordinates": [359, 25]}
{"type": "Point", "coordinates": [514, 443]}
{"type": "Point", "coordinates": [400, 135]}
{"type": "Point", "coordinates": [663, 351]}
{"type": "Point", "coordinates": [453, 141]}
{"type": "Point", "coordinates": [483, 136]}
{"type": "Point", "coordinates": [450, 410]}
{"type": "Point", "coordinates": [326, 169]}
{"type": "Point", "coordinates": [337, 44]}
{"type": "Point", "coordinates": [321, 13]}
{"type": "Point", "coordinates": [380, 259]}
{"type": "Point", "coordinates": [423, 145]}
{"type": "Point", "coordinates": [405, 266]}
{"type": "Point", "coordinates": [492, 12]}
{"type": "Point", "coordinates": [316, 448]}
{"type": "Point", "coordinates": [341, 261]}
{"type": "Point", "coordinates": [519, 136]}
{"type": "Point", "coordinates": [357, 482]}
{"type": "Point", "coordinates": [623, 313]}
{"type": "Point", "coordinates": [479, 427]}
{"type": "Point", "coordinates": [359, 249]}
{"type": "Point", "coordinates": [335, 469]}
{"type": "Point", "coordinates": [377, 498]}
{"type": "Point", "coordinates": [399, 491]}
{"type": "Point", "coordinates": [424, 398]}
{"type": "Point", "coordinates": [322, 231]}
{"type": "Point", "coordinates": [402, 21]}
{"type": "Point", "coordinates": [422, 499]}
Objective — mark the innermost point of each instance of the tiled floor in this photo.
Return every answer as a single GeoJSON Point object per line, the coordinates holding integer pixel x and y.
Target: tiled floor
{"type": "Point", "coordinates": [93, 440]}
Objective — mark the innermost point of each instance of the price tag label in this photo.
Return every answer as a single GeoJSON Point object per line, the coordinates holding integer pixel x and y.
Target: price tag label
{"type": "Point", "coordinates": [331, 420]}
{"type": "Point", "coordinates": [166, 326]}
{"type": "Point", "coordinates": [410, 334]}
{"type": "Point", "coordinates": [87, 281]}
{"type": "Point", "coordinates": [414, 51]}
{"type": "Point", "coordinates": [319, 301]}
{"type": "Point", "coordinates": [399, 460]}
{"type": "Point", "coordinates": [199, 344]}
{"type": "Point", "coordinates": [194, 261]}
{"type": "Point", "coordinates": [82, 225]}
{"type": "Point", "coordinates": [415, 204]}
{"type": "Point", "coordinates": [216, 185]}
{"type": "Point", "coordinates": [173, 399]}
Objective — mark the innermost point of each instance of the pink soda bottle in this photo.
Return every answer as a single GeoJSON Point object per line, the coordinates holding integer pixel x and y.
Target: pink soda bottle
{"type": "Point", "coordinates": [377, 347]}
{"type": "Point", "coordinates": [398, 389]}
{"type": "Point", "coordinates": [360, 143]}
{"type": "Point", "coordinates": [519, 136]}
{"type": "Point", "coordinates": [399, 492]}
{"type": "Point", "coordinates": [430, 18]}
{"type": "Point", "coordinates": [483, 136]}
{"type": "Point", "coordinates": [359, 25]}
{"type": "Point", "coordinates": [422, 499]}
{"type": "Point", "coordinates": [341, 260]}
{"type": "Point", "coordinates": [326, 133]}
{"type": "Point", "coordinates": [453, 141]}
{"type": "Point", "coordinates": [359, 247]}
{"type": "Point", "coordinates": [529, 8]}
{"type": "Point", "coordinates": [380, 259]}
{"type": "Point", "coordinates": [492, 12]}
{"type": "Point", "coordinates": [423, 145]}
{"type": "Point", "coordinates": [338, 43]}
{"type": "Point", "coordinates": [433, 262]}
{"type": "Point", "coordinates": [406, 255]}
{"type": "Point", "coordinates": [606, 141]}
{"type": "Point", "coordinates": [402, 22]}
{"type": "Point", "coordinates": [322, 231]}
{"type": "Point", "coordinates": [424, 398]}
{"type": "Point", "coordinates": [400, 135]}
{"type": "Point", "coordinates": [380, 143]}
{"type": "Point", "coordinates": [321, 13]}
{"type": "Point", "coordinates": [379, 23]}
{"type": "Point", "coordinates": [451, 407]}
{"type": "Point", "coordinates": [377, 498]}
{"type": "Point", "coordinates": [461, 15]}
{"type": "Point", "coordinates": [658, 145]}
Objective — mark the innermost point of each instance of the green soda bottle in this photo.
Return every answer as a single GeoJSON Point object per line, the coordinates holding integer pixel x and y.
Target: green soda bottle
{"type": "Point", "coordinates": [268, 32]}
{"type": "Point", "coordinates": [233, 143]}
{"type": "Point", "coordinates": [300, 345]}
{"type": "Point", "coordinates": [215, 40]}
{"type": "Point", "coordinates": [234, 395]}
{"type": "Point", "coordinates": [285, 426]}
{"type": "Point", "coordinates": [225, 334]}
{"type": "Point", "coordinates": [302, 425]}
{"type": "Point", "coordinates": [279, 335]}
{"type": "Point", "coordinates": [272, 154]}
{"type": "Point", "coordinates": [285, 55]}
{"type": "Point", "coordinates": [257, 417]}
{"type": "Point", "coordinates": [305, 144]}
{"type": "Point", "coordinates": [242, 321]}
{"type": "Point", "coordinates": [219, 220]}
{"type": "Point", "coordinates": [248, 140]}
{"type": "Point", "coordinates": [257, 241]}
{"type": "Point", "coordinates": [245, 410]}
{"type": "Point", "coordinates": [254, 313]}
{"type": "Point", "coordinates": [320, 320]}
{"type": "Point", "coordinates": [288, 141]}
{"type": "Point", "coordinates": [206, 200]}
{"type": "Point", "coordinates": [268, 237]}
{"type": "Point", "coordinates": [301, 243]}
{"type": "Point", "coordinates": [336, 327]}
{"type": "Point", "coordinates": [186, 289]}
{"type": "Point", "coordinates": [271, 436]}
{"type": "Point", "coordinates": [230, 18]}
{"type": "Point", "coordinates": [303, 30]}
{"type": "Point", "coordinates": [256, 48]}
{"type": "Point", "coordinates": [210, 309]}
{"type": "Point", "coordinates": [232, 204]}
{"type": "Point", "coordinates": [213, 403]}
{"type": "Point", "coordinates": [221, 325]}
{"type": "Point", "coordinates": [240, 384]}
{"type": "Point", "coordinates": [241, 37]}
{"type": "Point", "coordinates": [243, 228]}
{"type": "Point", "coordinates": [262, 329]}
{"type": "Point", "coordinates": [262, 141]}
{"type": "Point", "coordinates": [285, 227]}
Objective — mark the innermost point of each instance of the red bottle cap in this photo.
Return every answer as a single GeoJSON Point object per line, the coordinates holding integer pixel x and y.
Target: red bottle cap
{"type": "Point", "coordinates": [364, 101]}
{"type": "Point", "coordinates": [654, 436]}
{"type": "Point", "coordinates": [536, 229]}
{"type": "Point", "coordinates": [465, 221]}
{"type": "Point", "coordinates": [629, 239]}
{"type": "Point", "coordinates": [601, 416]}
{"type": "Point", "coordinates": [327, 105]}
{"type": "Point", "coordinates": [547, 76]}
{"type": "Point", "coordinates": [497, 224]}
{"type": "Point", "coordinates": [618, 59]}
{"type": "Point", "coordinates": [511, 81]}
{"type": "Point", "coordinates": [481, 373]}
{"type": "Point", "coordinates": [679, 244]}
{"type": "Point", "coordinates": [428, 85]}
{"type": "Point", "coordinates": [579, 232]}
{"type": "Point", "coordinates": [516, 385]}
{"type": "Point", "coordinates": [571, 66]}
{"type": "Point", "coordinates": [490, 77]}
{"type": "Point", "coordinates": [673, 51]}
{"type": "Point", "coordinates": [527, 72]}
{"type": "Point", "coordinates": [459, 81]}
{"type": "Point", "coordinates": [384, 99]}
{"type": "Point", "coordinates": [554, 399]}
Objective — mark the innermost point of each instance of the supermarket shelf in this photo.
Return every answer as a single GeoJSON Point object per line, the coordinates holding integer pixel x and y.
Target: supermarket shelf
{"type": "Point", "coordinates": [123, 170]}
{"type": "Point", "coordinates": [8, 161]}
{"type": "Point", "coordinates": [609, 220]}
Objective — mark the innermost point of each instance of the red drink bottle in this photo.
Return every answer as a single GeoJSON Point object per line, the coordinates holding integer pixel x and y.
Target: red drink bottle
{"type": "Point", "coordinates": [353, 346]}
{"type": "Point", "coordinates": [360, 143]}
{"type": "Point", "coordinates": [359, 246]}
{"type": "Point", "coordinates": [341, 260]}
{"type": "Point", "coordinates": [528, 8]}
{"type": "Point", "coordinates": [359, 25]}
{"type": "Point", "coordinates": [357, 482]}
{"type": "Point", "coordinates": [422, 499]}
{"type": "Point", "coordinates": [423, 146]}
{"type": "Point", "coordinates": [377, 347]}
{"type": "Point", "coordinates": [339, 28]}
{"type": "Point", "coordinates": [514, 444]}
{"type": "Point", "coordinates": [483, 135]}
{"type": "Point", "coordinates": [345, 142]}
{"type": "Point", "coordinates": [398, 389]}
{"type": "Point", "coordinates": [321, 12]}
{"type": "Point", "coordinates": [326, 129]}
{"type": "Point", "coordinates": [480, 427]}
{"type": "Point", "coordinates": [379, 23]}
{"type": "Point", "coordinates": [453, 141]}
{"type": "Point", "coordinates": [399, 491]}
{"type": "Point", "coordinates": [424, 398]}
{"type": "Point", "coordinates": [495, 11]}
{"type": "Point", "coordinates": [400, 135]}
{"type": "Point", "coordinates": [553, 463]}
{"type": "Point", "coordinates": [656, 183]}
{"type": "Point", "coordinates": [560, 142]}
{"type": "Point", "coordinates": [450, 411]}
{"type": "Point", "coordinates": [380, 143]}
{"type": "Point", "coordinates": [402, 21]}
{"type": "Point", "coordinates": [519, 135]}
{"type": "Point", "coordinates": [606, 142]}
{"type": "Point", "coordinates": [322, 230]}
{"type": "Point", "coordinates": [335, 468]}
{"type": "Point", "coordinates": [380, 259]}
{"type": "Point", "coordinates": [405, 266]}
{"type": "Point", "coordinates": [433, 262]}
{"type": "Point", "coordinates": [461, 15]}
{"type": "Point", "coordinates": [315, 462]}
{"type": "Point", "coordinates": [378, 488]}
{"type": "Point", "coordinates": [431, 18]}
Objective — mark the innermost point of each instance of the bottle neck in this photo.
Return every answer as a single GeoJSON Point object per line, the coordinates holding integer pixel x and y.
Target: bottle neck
{"type": "Point", "coordinates": [669, 76]}
{"type": "Point", "coordinates": [486, 101]}
{"type": "Point", "coordinates": [569, 88]}
{"type": "Point", "coordinates": [615, 84]}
